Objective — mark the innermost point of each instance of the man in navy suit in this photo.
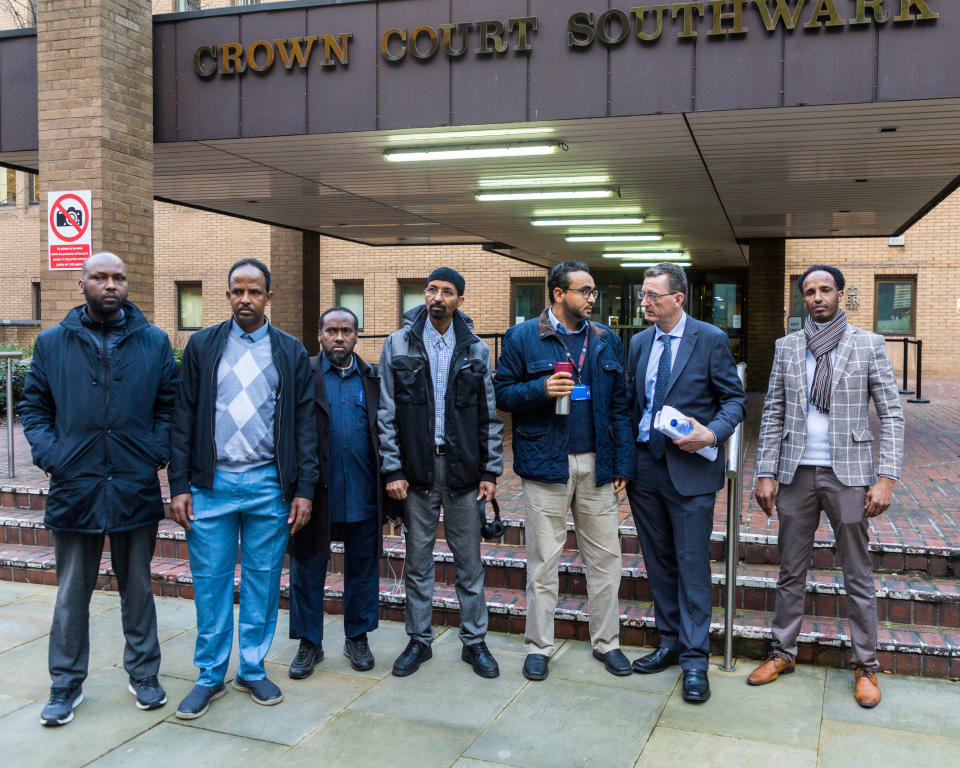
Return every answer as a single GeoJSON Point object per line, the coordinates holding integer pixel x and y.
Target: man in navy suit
{"type": "Point", "coordinates": [686, 364]}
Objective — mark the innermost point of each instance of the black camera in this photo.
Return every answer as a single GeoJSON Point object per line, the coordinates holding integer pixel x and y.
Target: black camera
{"type": "Point", "coordinates": [74, 213]}
{"type": "Point", "coordinates": [494, 529]}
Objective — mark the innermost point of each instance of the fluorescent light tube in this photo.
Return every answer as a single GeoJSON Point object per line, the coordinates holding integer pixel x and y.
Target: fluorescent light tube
{"type": "Point", "coordinates": [612, 238]}
{"type": "Point", "coordinates": [487, 134]}
{"type": "Point", "coordinates": [552, 181]}
{"type": "Point", "coordinates": [614, 221]}
{"type": "Point", "coordinates": [468, 153]}
{"type": "Point", "coordinates": [558, 194]}
{"type": "Point", "coordinates": [665, 256]}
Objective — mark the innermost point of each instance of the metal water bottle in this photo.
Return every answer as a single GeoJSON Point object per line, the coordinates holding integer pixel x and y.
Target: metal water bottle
{"type": "Point", "coordinates": [562, 407]}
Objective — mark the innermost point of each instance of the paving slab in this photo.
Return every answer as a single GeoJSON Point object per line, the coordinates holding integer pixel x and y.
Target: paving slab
{"type": "Point", "coordinates": [497, 642]}
{"type": "Point", "coordinates": [554, 724]}
{"type": "Point", "coordinates": [171, 744]}
{"type": "Point", "coordinates": [11, 591]}
{"type": "Point", "coordinates": [106, 717]}
{"type": "Point", "coordinates": [577, 664]}
{"type": "Point", "coordinates": [844, 744]}
{"type": "Point", "coordinates": [10, 704]}
{"type": "Point", "coordinates": [307, 705]}
{"type": "Point", "coordinates": [917, 704]}
{"type": "Point", "coordinates": [467, 762]}
{"type": "Point", "coordinates": [444, 691]}
{"type": "Point", "coordinates": [386, 642]}
{"type": "Point", "coordinates": [357, 739]}
{"type": "Point", "coordinates": [673, 747]}
{"type": "Point", "coordinates": [785, 712]}
{"type": "Point", "coordinates": [175, 612]}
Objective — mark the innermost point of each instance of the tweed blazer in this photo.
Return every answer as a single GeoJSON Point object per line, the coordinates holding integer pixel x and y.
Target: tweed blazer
{"type": "Point", "coordinates": [861, 371]}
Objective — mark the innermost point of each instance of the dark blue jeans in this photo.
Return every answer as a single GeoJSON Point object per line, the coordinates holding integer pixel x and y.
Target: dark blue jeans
{"type": "Point", "coordinates": [361, 592]}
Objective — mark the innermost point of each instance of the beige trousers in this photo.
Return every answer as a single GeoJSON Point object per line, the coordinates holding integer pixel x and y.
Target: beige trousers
{"type": "Point", "coordinates": [597, 524]}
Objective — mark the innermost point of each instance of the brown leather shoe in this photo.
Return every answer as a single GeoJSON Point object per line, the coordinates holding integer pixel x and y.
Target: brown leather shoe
{"type": "Point", "coordinates": [770, 670]}
{"type": "Point", "coordinates": [867, 691]}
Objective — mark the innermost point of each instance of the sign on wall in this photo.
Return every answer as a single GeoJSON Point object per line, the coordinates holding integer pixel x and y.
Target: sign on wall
{"type": "Point", "coordinates": [68, 228]}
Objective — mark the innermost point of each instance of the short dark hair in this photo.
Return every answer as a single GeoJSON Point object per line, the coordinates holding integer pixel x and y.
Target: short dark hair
{"type": "Point", "coordinates": [252, 263]}
{"type": "Point", "coordinates": [356, 320]}
{"type": "Point", "coordinates": [837, 275]}
{"type": "Point", "coordinates": [676, 277]}
{"type": "Point", "coordinates": [559, 275]}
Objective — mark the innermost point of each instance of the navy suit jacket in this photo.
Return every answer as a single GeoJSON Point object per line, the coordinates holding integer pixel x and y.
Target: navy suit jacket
{"type": "Point", "coordinates": [703, 384]}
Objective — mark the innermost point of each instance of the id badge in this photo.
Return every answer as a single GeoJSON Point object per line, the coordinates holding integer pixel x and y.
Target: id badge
{"type": "Point", "coordinates": [580, 392]}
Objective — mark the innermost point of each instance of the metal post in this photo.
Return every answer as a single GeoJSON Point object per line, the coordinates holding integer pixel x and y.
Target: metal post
{"type": "Point", "coordinates": [919, 398]}
{"type": "Point", "coordinates": [10, 357]}
{"type": "Point", "coordinates": [906, 361]}
{"type": "Point", "coordinates": [735, 450]}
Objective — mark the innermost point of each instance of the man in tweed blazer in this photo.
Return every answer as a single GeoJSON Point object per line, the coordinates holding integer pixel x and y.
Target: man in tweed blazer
{"type": "Point", "coordinates": [815, 441]}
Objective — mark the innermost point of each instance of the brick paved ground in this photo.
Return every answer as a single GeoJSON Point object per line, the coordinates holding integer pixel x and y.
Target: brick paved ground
{"type": "Point", "coordinates": [925, 515]}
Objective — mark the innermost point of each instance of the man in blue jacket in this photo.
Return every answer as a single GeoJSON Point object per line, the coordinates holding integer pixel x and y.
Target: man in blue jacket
{"type": "Point", "coordinates": [96, 409]}
{"type": "Point", "coordinates": [243, 463]}
{"type": "Point", "coordinates": [579, 461]}
{"type": "Point", "coordinates": [687, 364]}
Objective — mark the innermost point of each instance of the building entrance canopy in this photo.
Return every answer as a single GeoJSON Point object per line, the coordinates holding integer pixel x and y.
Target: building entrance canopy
{"type": "Point", "coordinates": [695, 126]}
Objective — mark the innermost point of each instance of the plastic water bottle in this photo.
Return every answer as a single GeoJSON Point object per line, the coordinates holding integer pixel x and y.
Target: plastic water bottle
{"type": "Point", "coordinates": [682, 426]}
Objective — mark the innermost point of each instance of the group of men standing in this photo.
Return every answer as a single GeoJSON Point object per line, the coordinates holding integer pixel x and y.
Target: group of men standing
{"type": "Point", "coordinates": [271, 451]}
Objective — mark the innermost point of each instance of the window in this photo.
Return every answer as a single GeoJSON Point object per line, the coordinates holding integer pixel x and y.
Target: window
{"type": "Point", "coordinates": [8, 186]}
{"type": "Point", "coordinates": [350, 295]}
{"type": "Point", "coordinates": [33, 188]}
{"type": "Point", "coordinates": [35, 287]}
{"type": "Point", "coordinates": [189, 306]}
{"type": "Point", "coordinates": [797, 309]}
{"type": "Point", "coordinates": [527, 301]}
{"type": "Point", "coordinates": [895, 308]}
{"type": "Point", "coordinates": [411, 295]}
{"type": "Point", "coordinates": [188, 5]}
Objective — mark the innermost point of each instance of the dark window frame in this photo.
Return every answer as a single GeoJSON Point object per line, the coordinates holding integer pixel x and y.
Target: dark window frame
{"type": "Point", "coordinates": [11, 199]}
{"type": "Point", "coordinates": [36, 297]}
{"type": "Point", "coordinates": [180, 287]}
{"type": "Point", "coordinates": [33, 189]}
{"type": "Point", "coordinates": [517, 282]}
{"type": "Point", "coordinates": [403, 282]}
{"type": "Point", "coordinates": [879, 280]}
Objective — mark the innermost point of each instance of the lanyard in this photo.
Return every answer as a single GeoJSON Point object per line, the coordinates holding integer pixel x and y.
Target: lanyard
{"type": "Point", "coordinates": [578, 367]}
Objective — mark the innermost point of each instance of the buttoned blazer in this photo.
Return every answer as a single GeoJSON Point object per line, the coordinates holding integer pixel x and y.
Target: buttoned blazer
{"type": "Point", "coordinates": [703, 384]}
{"type": "Point", "coordinates": [861, 372]}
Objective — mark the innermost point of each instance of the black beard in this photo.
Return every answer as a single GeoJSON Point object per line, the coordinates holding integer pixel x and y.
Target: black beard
{"type": "Point", "coordinates": [437, 310]}
{"type": "Point", "coordinates": [99, 309]}
{"type": "Point", "coordinates": [339, 357]}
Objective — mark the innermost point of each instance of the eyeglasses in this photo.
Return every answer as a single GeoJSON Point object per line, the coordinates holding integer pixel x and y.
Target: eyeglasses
{"type": "Point", "coordinates": [652, 297]}
{"type": "Point", "coordinates": [587, 292]}
{"type": "Point", "coordinates": [445, 292]}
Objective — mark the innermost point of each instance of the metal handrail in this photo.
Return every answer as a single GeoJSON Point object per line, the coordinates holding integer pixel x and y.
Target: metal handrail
{"type": "Point", "coordinates": [10, 357]}
{"type": "Point", "coordinates": [735, 451]}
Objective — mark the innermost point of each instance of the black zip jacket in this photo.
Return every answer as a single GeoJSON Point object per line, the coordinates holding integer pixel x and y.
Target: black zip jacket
{"type": "Point", "coordinates": [193, 448]}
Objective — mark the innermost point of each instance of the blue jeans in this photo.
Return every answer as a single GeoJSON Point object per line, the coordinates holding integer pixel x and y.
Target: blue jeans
{"type": "Point", "coordinates": [361, 591]}
{"type": "Point", "coordinates": [247, 507]}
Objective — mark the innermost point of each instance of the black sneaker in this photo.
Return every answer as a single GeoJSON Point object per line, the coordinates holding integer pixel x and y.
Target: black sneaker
{"type": "Point", "coordinates": [308, 656]}
{"type": "Point", "coordinates": [357, 649]}
{"type": "Point", "coordinates": [479, 656]}
{"type": "Point", "coordinates": [197, 702]}
{"type": "Point", "coordinates": [149, 692]}
{"type": "Point", "coordinates": [60, 706]}
{"type": "Point", "coordinates": [412, 657]}
{"type": "Point", "coordinates": [262, 691]}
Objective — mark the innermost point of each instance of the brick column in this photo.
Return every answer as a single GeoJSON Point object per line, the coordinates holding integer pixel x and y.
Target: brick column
{"type": "Point", "coordinates": [286, 273]}
{"type": "Point", "coordinates": [95, 110]}
{"type": "Point", "coordinates": [310, 307]}
{"type": "Point", "coordinates": [765, 310]}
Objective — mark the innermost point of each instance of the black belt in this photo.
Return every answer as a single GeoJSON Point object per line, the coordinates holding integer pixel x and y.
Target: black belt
{"type": "Point", "coordinates": [440, 450]}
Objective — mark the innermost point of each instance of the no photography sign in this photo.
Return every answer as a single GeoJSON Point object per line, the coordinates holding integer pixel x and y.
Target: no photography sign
{"type": "Point", "coordinates": [68, 228]}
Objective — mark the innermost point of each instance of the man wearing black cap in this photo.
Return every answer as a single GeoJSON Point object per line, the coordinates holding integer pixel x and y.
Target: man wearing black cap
{"type": "Point", "coordinates": [441, 444]}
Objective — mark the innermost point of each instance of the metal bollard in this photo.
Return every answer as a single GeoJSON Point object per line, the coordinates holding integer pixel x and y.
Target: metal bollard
{"type": "Point", "coordinates": [919, 398]}
{"type": "Point", "coordinates": [10, 357]}
{"type": "Point", "coordinates": [906, 366]}
{"type": "Point", "coordinates": [735, 450]}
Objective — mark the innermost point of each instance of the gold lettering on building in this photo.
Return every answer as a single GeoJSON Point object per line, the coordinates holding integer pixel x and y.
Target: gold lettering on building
{"type": "Point", "coordinates": [824, 12]}
{"type": "Point", "coordinates": [640, 14]}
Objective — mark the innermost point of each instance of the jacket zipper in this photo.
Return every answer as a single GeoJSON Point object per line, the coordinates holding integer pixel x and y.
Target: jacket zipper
{"type": "Point", "coordinates": [278, 429]}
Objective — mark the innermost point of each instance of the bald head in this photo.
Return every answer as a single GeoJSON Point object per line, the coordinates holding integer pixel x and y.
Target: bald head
{"type": "Point", "coordinates": [99, 259]}
{"type": "Point", "coordinates": [103, 282]}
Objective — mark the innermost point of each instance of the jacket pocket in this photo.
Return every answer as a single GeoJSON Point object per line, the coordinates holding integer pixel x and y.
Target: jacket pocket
{"type": "Point", "coordinates": [862, 436]}
{"type": "Point", "coordinates": [409, 381]}
{"type": "Point", "coordinates": [469, 380]}
{"type": "Point", "coordinates": [538, 368]}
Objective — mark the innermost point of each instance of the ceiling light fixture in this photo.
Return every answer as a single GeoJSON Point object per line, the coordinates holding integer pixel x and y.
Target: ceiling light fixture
{"type": "Point", "coordinates": [550, 181]}
{"type": "Point", "coordinates": [662, 256]}
{"type": "Point", "coordinates": [613, 238]}
{"type": "Point", "coordinates": [630, 210]}
{"type": "Point", "coordinates": [638, 264]}
{"type": "Point", "coordinates": [469, 153]}
{"type": "Point", "coordinates": [541, 194]}
{"type": "Point", "coordinates": [495, 133]}
{"type": "Point", "coordinates": [612, 221]}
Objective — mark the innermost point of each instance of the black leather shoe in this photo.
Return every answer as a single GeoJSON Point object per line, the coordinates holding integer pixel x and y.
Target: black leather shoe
{"type": "Point", "coordinates": [479, 656]}
{"type": "Point", "coordinates": [308, 656]}
{"type": "Point", "coordinates": [659, 660]}
{"type": "Point", "coordinates": [696, 687]}
{"type": "Point", "coordinates": [614, 662]}
{"type": "Point", "coordinates": [359, 653]}
{"type": "Point", "coordinates": [412, 657]}
{"type": "Point", "coordinates": [535, 666]}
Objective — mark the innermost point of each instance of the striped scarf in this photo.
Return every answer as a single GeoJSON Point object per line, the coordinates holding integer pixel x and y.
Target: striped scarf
{"type": "Point", "coordinates": [820, 342]}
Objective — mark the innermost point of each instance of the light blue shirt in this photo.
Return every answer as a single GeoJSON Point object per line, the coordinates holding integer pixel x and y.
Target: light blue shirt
{"type": "Point", "coordinates": [650, 378]}
{"type": "Point", "coordinates": [560, 327]}
{"type": "Point", "coordinates": [439, 353]}
{"type": "Point", "coordinates": [255, 336]}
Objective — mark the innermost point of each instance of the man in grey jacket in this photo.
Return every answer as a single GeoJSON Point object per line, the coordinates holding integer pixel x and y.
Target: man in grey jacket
{"type": "Point", "coordinates": [441, 444]}
{"type": "Point", "coordinates": [815, 441]}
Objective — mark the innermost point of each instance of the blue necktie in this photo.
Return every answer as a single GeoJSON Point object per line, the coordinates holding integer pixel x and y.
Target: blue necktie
{"type": "Point", "coordinates": [657, 438]}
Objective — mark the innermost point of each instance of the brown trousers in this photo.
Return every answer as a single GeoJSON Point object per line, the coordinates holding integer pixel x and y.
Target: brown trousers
{"type": "Point", "coordinates": [798, 506]}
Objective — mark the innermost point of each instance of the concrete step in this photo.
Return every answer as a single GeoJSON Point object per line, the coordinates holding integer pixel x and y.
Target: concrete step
{"type": "Point", "coordinates": [904, 648]}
